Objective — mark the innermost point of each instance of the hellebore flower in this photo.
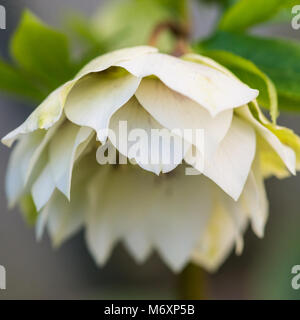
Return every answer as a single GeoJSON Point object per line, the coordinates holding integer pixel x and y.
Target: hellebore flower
{"type": "Point", "coordinates": [151, 205]}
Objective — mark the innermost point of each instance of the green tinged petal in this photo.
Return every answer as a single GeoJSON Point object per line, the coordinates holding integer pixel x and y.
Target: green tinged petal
{"type": "Point", "coordinates": [246, 71]}
{"type": "Point", "coordinates": [270, 161]}
{"type": "Point", "coordinates": [289, 138]}
{"type": "Point", "coordinates": [278, 58]}
{"type": "Point", "coordinates": [28, 209]}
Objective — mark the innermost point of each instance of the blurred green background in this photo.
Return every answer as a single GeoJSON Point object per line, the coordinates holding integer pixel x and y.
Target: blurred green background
{"type": "Point", "coordinates": [36, 271]}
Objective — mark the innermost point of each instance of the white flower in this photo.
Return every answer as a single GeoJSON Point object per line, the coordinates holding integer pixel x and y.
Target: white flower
{"type": "Point", "coordinates": [184, 218]}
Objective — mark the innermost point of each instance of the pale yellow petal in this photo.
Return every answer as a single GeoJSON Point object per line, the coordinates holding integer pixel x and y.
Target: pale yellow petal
{"type": "Point", "coordinates": [286, 153]}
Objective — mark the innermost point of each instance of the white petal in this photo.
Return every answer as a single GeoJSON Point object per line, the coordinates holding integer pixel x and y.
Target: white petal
{"type": "Point", "coordinates": [62, 218]}
{"type": "Point", "coordinates": [14, 184]}
{"type": "Point", "coordinates": [254, 198]}
{"type": "Point", "coordinates": [175, 111]}
{"type": "Point", "coordinates": [65, 218]}
{"type": "Point", "coordinates": [155, 154]}
{"type": "Point", "coordinates": [64, 150]}
{"type": "Point", "coordinates": [230, 166]}
{"type": "Point", "coordinates": [285, 153]}
{"type": "Point", "coordinates": [29, 165]}
{"type": "Point", "coordinates": [112, 58]}
{"type": "Point", "coordinates": [95, 98]}
{"type": "Point", "coordinates": [43, 117]}
{"type": "Point", "coordinates": [43, 188]}
{"type": "Point", "coordinates": [167, 212]}
{"type": "Point", "coordinates": [41, 222]}
{"type": "Point", "coordinates": [138, 245]}
{"type": "Point", "coordinates": [209, 62]}
{"type": "Point", "coordinates": [211, 88]}
{"type": "Point", "coordinates": [22, 159]}
{"type": "Point", "coordinates": [225, 228]}
{"type": "Point", "coordinates": [100, 235]}
{"type": "Point", "coordinates": [180, 216]}
{"type": "Point", "coordinates": [51, 109]}
{"type": "Point", "coordinates": [25, 161]}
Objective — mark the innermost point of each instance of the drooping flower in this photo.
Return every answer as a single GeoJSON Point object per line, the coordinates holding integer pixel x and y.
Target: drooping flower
{"type": "Point", "coordinates": [151, 205]}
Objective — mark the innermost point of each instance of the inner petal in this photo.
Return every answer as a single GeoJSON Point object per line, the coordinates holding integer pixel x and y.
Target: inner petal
{"type": "Point", "coordinates": [96, 97]}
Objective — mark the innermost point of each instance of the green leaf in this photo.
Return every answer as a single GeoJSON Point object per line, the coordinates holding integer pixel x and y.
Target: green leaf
{"type": "Point", "coordinates": [41, 51]}
{"type": "Point", "coordinates": [278, 59]}
{"type": "Point", "coordinates": [12, 81]}
{"type": "Point", "coordinates": [249, 73]}
{"type": "Point", "coordinates": [247, 13]}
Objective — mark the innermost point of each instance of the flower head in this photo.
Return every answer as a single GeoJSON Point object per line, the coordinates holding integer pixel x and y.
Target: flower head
{"type": "Point", "coordinates": [154, 204]}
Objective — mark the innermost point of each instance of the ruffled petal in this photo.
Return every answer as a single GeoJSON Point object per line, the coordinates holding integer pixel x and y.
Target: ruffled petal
{"type": "Point", "coordinates": [230, 166]}
{"type": "Point", "coordinates": [270, 162]}
{"type": "Point", "coordinates": [43, 188]}
{"type": "Point", "coordinates": [65, 147]}
{"type": "Point", "coordinates": [23, 160]}
{"type": "Point", "coordinates": [100, 233]}
{"type": "Point", "coordinates": [113, 58]}
{"type": "Point", "coordinates": [225, 229]}
{"type": "Point", "coordinates": [286, 153]}
{"type": "Point", "coordinates": [254, 199]}
{"type": "Point", "coordinates": [62, 217]}
{"type": "Point", "coordinates": [175, 111]}
{"type": "Point", "coordinates": [180, 216]}
{"type": "Point", "coordinates": [193, 57]}
{"type": "Point", "coordinates": [152, 146]}
{"type": "Point", "coordinates": [95, 98]}
{"type": "Point", "coordinates": [51, 109]}
{"type": "Point", "coordinates": [212, 89]}
{"type": "Point", "coordinates": [168, 212]}
{"type": "Point", "coordinates": [43, 117]}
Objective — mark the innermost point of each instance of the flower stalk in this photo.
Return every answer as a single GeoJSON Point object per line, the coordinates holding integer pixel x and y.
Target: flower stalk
{"type": "Point", "coordinates": [181, 33]}
{"type": "Point", "coordinates": [192, 283]}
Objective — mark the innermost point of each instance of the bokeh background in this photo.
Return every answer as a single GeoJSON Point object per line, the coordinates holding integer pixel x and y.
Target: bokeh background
{"type": "Point", "coordinates": [36, 271]}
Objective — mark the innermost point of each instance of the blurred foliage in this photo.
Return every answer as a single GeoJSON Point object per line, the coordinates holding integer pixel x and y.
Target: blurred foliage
{"type": "Point", "coordinates": [247, 13]}
{"type": "Point", "coordinates": [30, 48]}
{"type": "Point", "coordinates": [130, 22]}
{"type": "Point", "coordinates": [277, 58]}
{"type": "Point", "coordinates": [14, 81]}
{"type": "Point", "coordinates": [86, 44]}
{"type": "Point", "coordinates": [41, 60]}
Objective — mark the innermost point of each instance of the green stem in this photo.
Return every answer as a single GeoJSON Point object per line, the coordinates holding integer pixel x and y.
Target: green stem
{"type": "Point", "coordinates": [192, 283]}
